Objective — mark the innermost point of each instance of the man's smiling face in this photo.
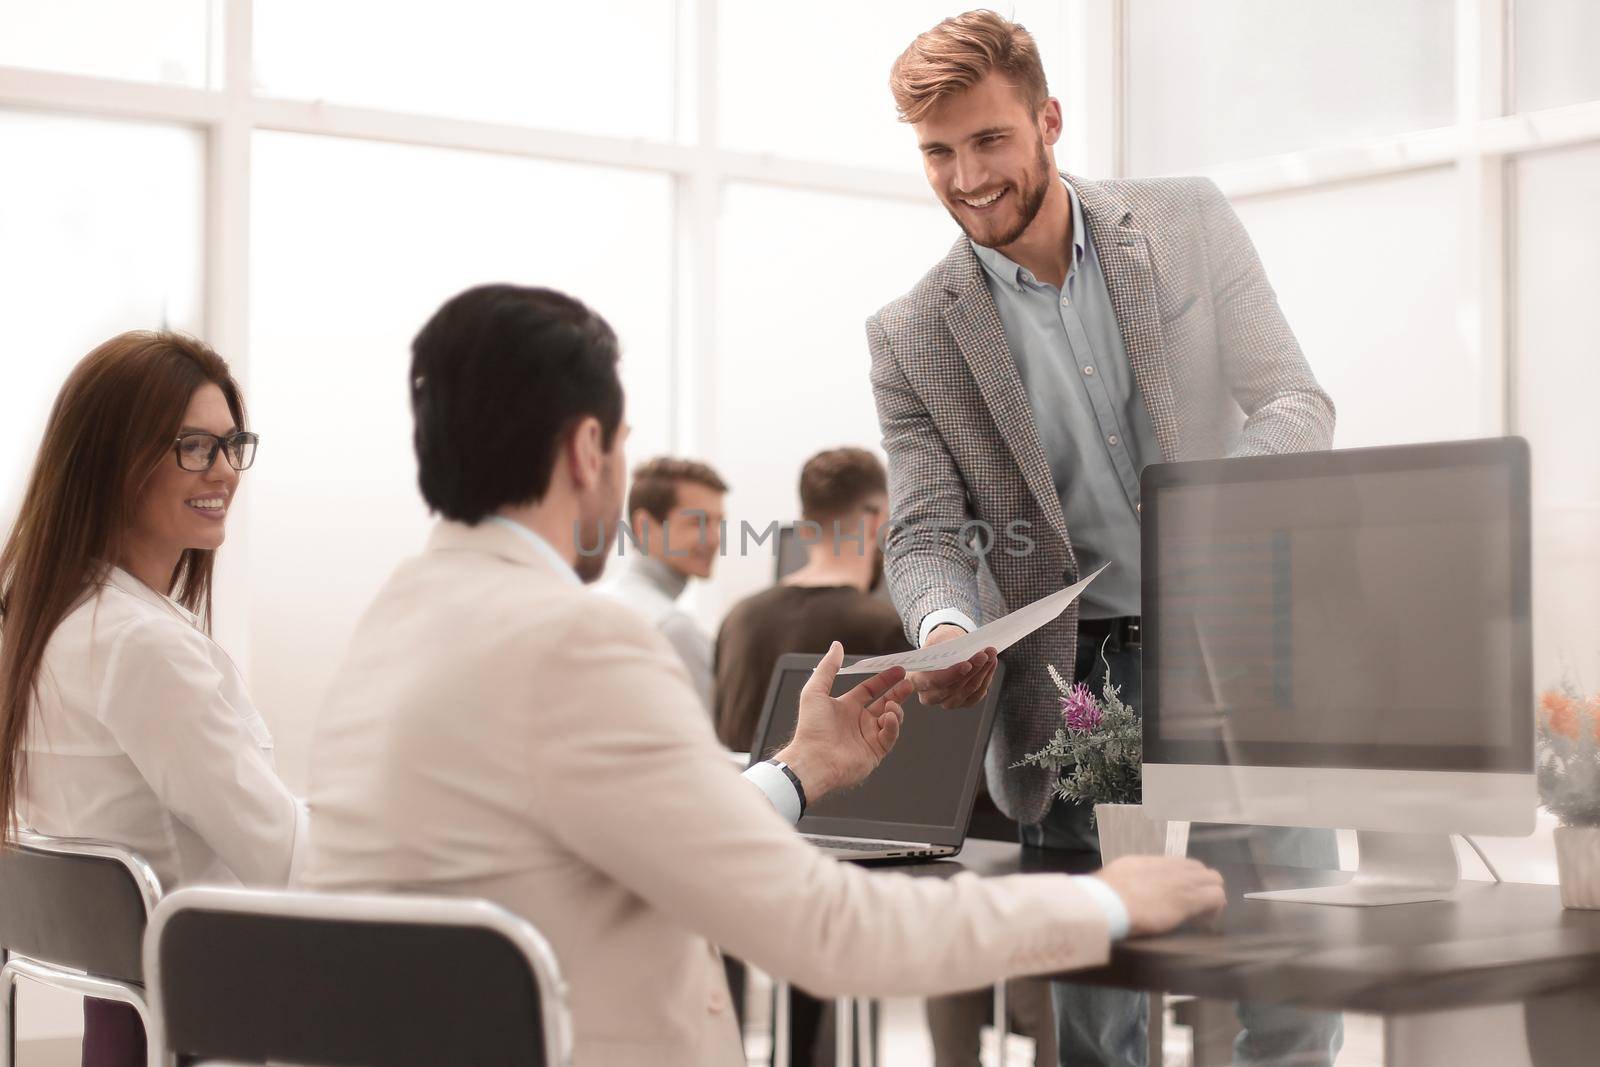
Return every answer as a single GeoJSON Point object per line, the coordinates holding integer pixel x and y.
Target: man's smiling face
{"type": "Point", "coordinates": [984, 151]}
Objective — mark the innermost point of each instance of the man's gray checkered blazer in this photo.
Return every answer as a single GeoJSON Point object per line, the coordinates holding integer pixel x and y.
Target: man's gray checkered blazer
{"type": "Point", "coordinates": [1218, 368]}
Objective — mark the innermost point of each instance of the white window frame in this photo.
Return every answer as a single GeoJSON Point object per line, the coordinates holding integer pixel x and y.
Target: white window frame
{"type": "Point", "coordinates": [1486, 137]}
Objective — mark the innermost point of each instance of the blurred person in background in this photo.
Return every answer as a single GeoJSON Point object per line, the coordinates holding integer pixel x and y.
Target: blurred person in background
{"type": "Point", "coordinates": [675, 511]}
{"type": "Point", "coordinates": [844, 495]}
{"type": "Point", "coordinates": [120, 718]}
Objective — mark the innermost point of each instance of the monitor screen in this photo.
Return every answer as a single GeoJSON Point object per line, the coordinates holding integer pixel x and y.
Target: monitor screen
{"type": "Point", "coordinates": [923, 790]}
{"type": "Point", "coordinates": [1361, 609]}
{"type": "Point", "coordinates": [791, 554]}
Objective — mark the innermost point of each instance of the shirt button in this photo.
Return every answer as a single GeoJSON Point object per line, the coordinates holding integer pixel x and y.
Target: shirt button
{"type": "Point", "coordinates": [1113, 439]}
{"type": "Point", "coordinates": [1089, 371]}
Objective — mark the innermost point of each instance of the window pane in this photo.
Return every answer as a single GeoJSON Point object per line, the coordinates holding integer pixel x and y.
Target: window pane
{"type": "Point", "coordinates": [602, 66]}
{"type": "Point", "coordinates": [1555, 45]}
{"type": "Point", "coordinates": [823, 93]}
{"type": "Point", "coordinates": [1234, 79]}
{"type": "Point", "coordinates": [139, 40]}
{"type": "Point", "coordinates": [1380, 328]}
{"type": "Point", "coordinates": [354, 246]}
{"type": "Point", "coordinates": [90, 245]}
{"type": "Point", "coordinates": [800, 273]}
{"type": "Point", "coordinates": [1557, 383]}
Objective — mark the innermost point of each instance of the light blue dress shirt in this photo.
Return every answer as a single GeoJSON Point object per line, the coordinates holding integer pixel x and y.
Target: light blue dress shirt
{"type": "Point", "coordinates": [1092, 422]}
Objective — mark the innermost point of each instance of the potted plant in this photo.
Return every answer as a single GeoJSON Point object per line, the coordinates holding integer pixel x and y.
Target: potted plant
{"type": "Point", "coordinates": [1098, 750]}
{"type": "Point", "coordinates": [1569, 784]}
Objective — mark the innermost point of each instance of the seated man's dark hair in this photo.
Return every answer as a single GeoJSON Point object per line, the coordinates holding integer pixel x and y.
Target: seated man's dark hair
{"type": "Point", "coordinates": [498, 377]}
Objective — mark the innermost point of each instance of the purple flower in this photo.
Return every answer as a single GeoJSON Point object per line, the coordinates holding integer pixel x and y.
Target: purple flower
{"type": "Point", "coordinates": [1080, 709]}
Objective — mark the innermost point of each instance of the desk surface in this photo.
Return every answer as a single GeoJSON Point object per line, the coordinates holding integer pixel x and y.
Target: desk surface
{"type": "Point", "coordinates": [1491, 943]}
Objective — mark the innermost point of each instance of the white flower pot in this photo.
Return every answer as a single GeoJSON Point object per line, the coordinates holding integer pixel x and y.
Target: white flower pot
{"type": "Point", "coordinates": [1125, 830]}
{"type": "Point", "coordinates": [1578, 862]}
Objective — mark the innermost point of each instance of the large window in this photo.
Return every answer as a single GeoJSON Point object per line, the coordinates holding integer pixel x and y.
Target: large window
{"type": "Point", "coordinates": [1232, 79]}
{"type": "Point", "coordinates": [1380, 330]}
{"type": "Point", "coordinates": [812, 82]}
{"type": "Point", "coordinates": [600, 67]}
{"type": "Point", "coordinates": [169, 41]}
{"type": "Point", "coordinates": [356, 244]}
{"type": "Point", "coordinates": [1553, 61]}
{"type": "Point", "coordinates": [100, 232]}
{"type": "Point", "coordinates": [1557, 396]}
{"type": "Point", "coordinates": [800, 278]}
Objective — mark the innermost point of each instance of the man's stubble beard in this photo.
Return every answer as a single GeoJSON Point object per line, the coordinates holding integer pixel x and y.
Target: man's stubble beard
{"type": "Point", "coordinates": [1032, 201]}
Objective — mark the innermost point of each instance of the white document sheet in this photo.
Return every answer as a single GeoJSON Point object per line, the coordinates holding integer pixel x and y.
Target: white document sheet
{"type": "Point", "coordinates": [998, 635]}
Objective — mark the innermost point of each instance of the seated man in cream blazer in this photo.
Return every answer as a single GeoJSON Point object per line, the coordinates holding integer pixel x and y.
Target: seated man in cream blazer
{"type": "Point", "coordinates": [499, 731]}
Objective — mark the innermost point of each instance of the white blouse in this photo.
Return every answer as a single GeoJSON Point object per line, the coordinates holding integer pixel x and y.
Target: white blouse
{"type": "Point", "coordinates": [143, 734]}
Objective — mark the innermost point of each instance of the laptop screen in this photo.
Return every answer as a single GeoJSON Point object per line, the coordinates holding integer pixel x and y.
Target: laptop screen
{"type": "Point", "coordinates": [924, 790]}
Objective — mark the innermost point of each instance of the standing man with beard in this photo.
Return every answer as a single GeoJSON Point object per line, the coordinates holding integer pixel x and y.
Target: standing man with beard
{"type": "Point", "coordinates": [1076, 332]}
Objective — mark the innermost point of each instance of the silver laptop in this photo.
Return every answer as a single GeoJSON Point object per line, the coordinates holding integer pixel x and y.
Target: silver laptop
{"type": "Point", "coordinates": [918, 803]}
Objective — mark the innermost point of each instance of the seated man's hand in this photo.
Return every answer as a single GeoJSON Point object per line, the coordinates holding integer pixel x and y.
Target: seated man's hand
{"type": "Point", "coordinates": [959, 685]}
{"type": "Point", "coordinates": [838, 741]}
{"type": "Point", "coordinates": [1161, 892]}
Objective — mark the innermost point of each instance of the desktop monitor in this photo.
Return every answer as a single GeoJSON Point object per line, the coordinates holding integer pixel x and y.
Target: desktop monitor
{"type": "Point", "coordinates": [1342, 639]}
{"type": "Point", "coordinates": [791, 554]}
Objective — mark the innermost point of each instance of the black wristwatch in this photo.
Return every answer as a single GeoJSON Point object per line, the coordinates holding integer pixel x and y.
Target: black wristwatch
{"type": "Point", "coordinates": [800, 790]}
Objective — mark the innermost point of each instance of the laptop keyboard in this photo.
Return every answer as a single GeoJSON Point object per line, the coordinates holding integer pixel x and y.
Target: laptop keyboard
{"type": "Point", "coordinates": [863, 846]}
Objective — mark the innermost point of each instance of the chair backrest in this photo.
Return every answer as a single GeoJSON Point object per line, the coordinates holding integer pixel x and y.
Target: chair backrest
{"type": "Point", "coordinates": [345, 979]}
{"type": "Point", "coordinates": [77, 904]}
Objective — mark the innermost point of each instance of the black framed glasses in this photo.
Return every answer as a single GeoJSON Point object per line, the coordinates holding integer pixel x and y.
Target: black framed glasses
{"type": "Point", "coordinates": [197, 451]}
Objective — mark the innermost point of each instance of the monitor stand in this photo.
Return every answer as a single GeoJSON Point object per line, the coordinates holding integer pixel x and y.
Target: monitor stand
{"type": "Point", "coordinates": [1394, 869]}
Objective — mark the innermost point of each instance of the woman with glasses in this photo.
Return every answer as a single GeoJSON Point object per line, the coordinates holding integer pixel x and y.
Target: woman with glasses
{"type": "Point", "coordinates": [120, 718]}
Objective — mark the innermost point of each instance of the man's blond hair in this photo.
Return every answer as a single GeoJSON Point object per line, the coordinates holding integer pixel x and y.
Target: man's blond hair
{"type": "Point", "coordinates": [960, 52]}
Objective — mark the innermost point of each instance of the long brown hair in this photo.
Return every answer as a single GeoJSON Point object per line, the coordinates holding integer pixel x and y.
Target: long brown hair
{"type": "Point", "coordinates": [116, 417]}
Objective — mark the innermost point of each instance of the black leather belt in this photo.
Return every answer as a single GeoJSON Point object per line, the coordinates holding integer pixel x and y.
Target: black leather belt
{"type": "Point", "coordinates": [1124, 629]}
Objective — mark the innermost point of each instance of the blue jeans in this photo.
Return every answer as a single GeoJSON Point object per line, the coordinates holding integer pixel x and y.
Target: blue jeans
{"type": "Point", "coordinates": [1096, 1025]}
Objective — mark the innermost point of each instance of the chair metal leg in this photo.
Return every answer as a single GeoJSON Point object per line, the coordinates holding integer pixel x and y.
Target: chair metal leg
{"type": "Point", "coordinates": [8, 1004]}
{"type": "Point", "coordinates": [154, 1047]}
{"type": "Point", "coordinates": [85, 986]}
{"type": "Point", "coordinates": [1158, 1027]}
{"type": "Point", "coordinates": [780, 1023]}
{"type": "Point", "coordinates": [1000, 1022]}
{"type": "Point", "coordinates": [867, 1032]}
{"type": "Point", "coordinates": [844, 1032]}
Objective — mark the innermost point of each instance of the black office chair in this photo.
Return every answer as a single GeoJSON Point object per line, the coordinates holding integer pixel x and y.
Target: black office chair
{"type": "Point", "coordinates": [72, 915]}
{"type": "Point", "coordinates": [341, 980]}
